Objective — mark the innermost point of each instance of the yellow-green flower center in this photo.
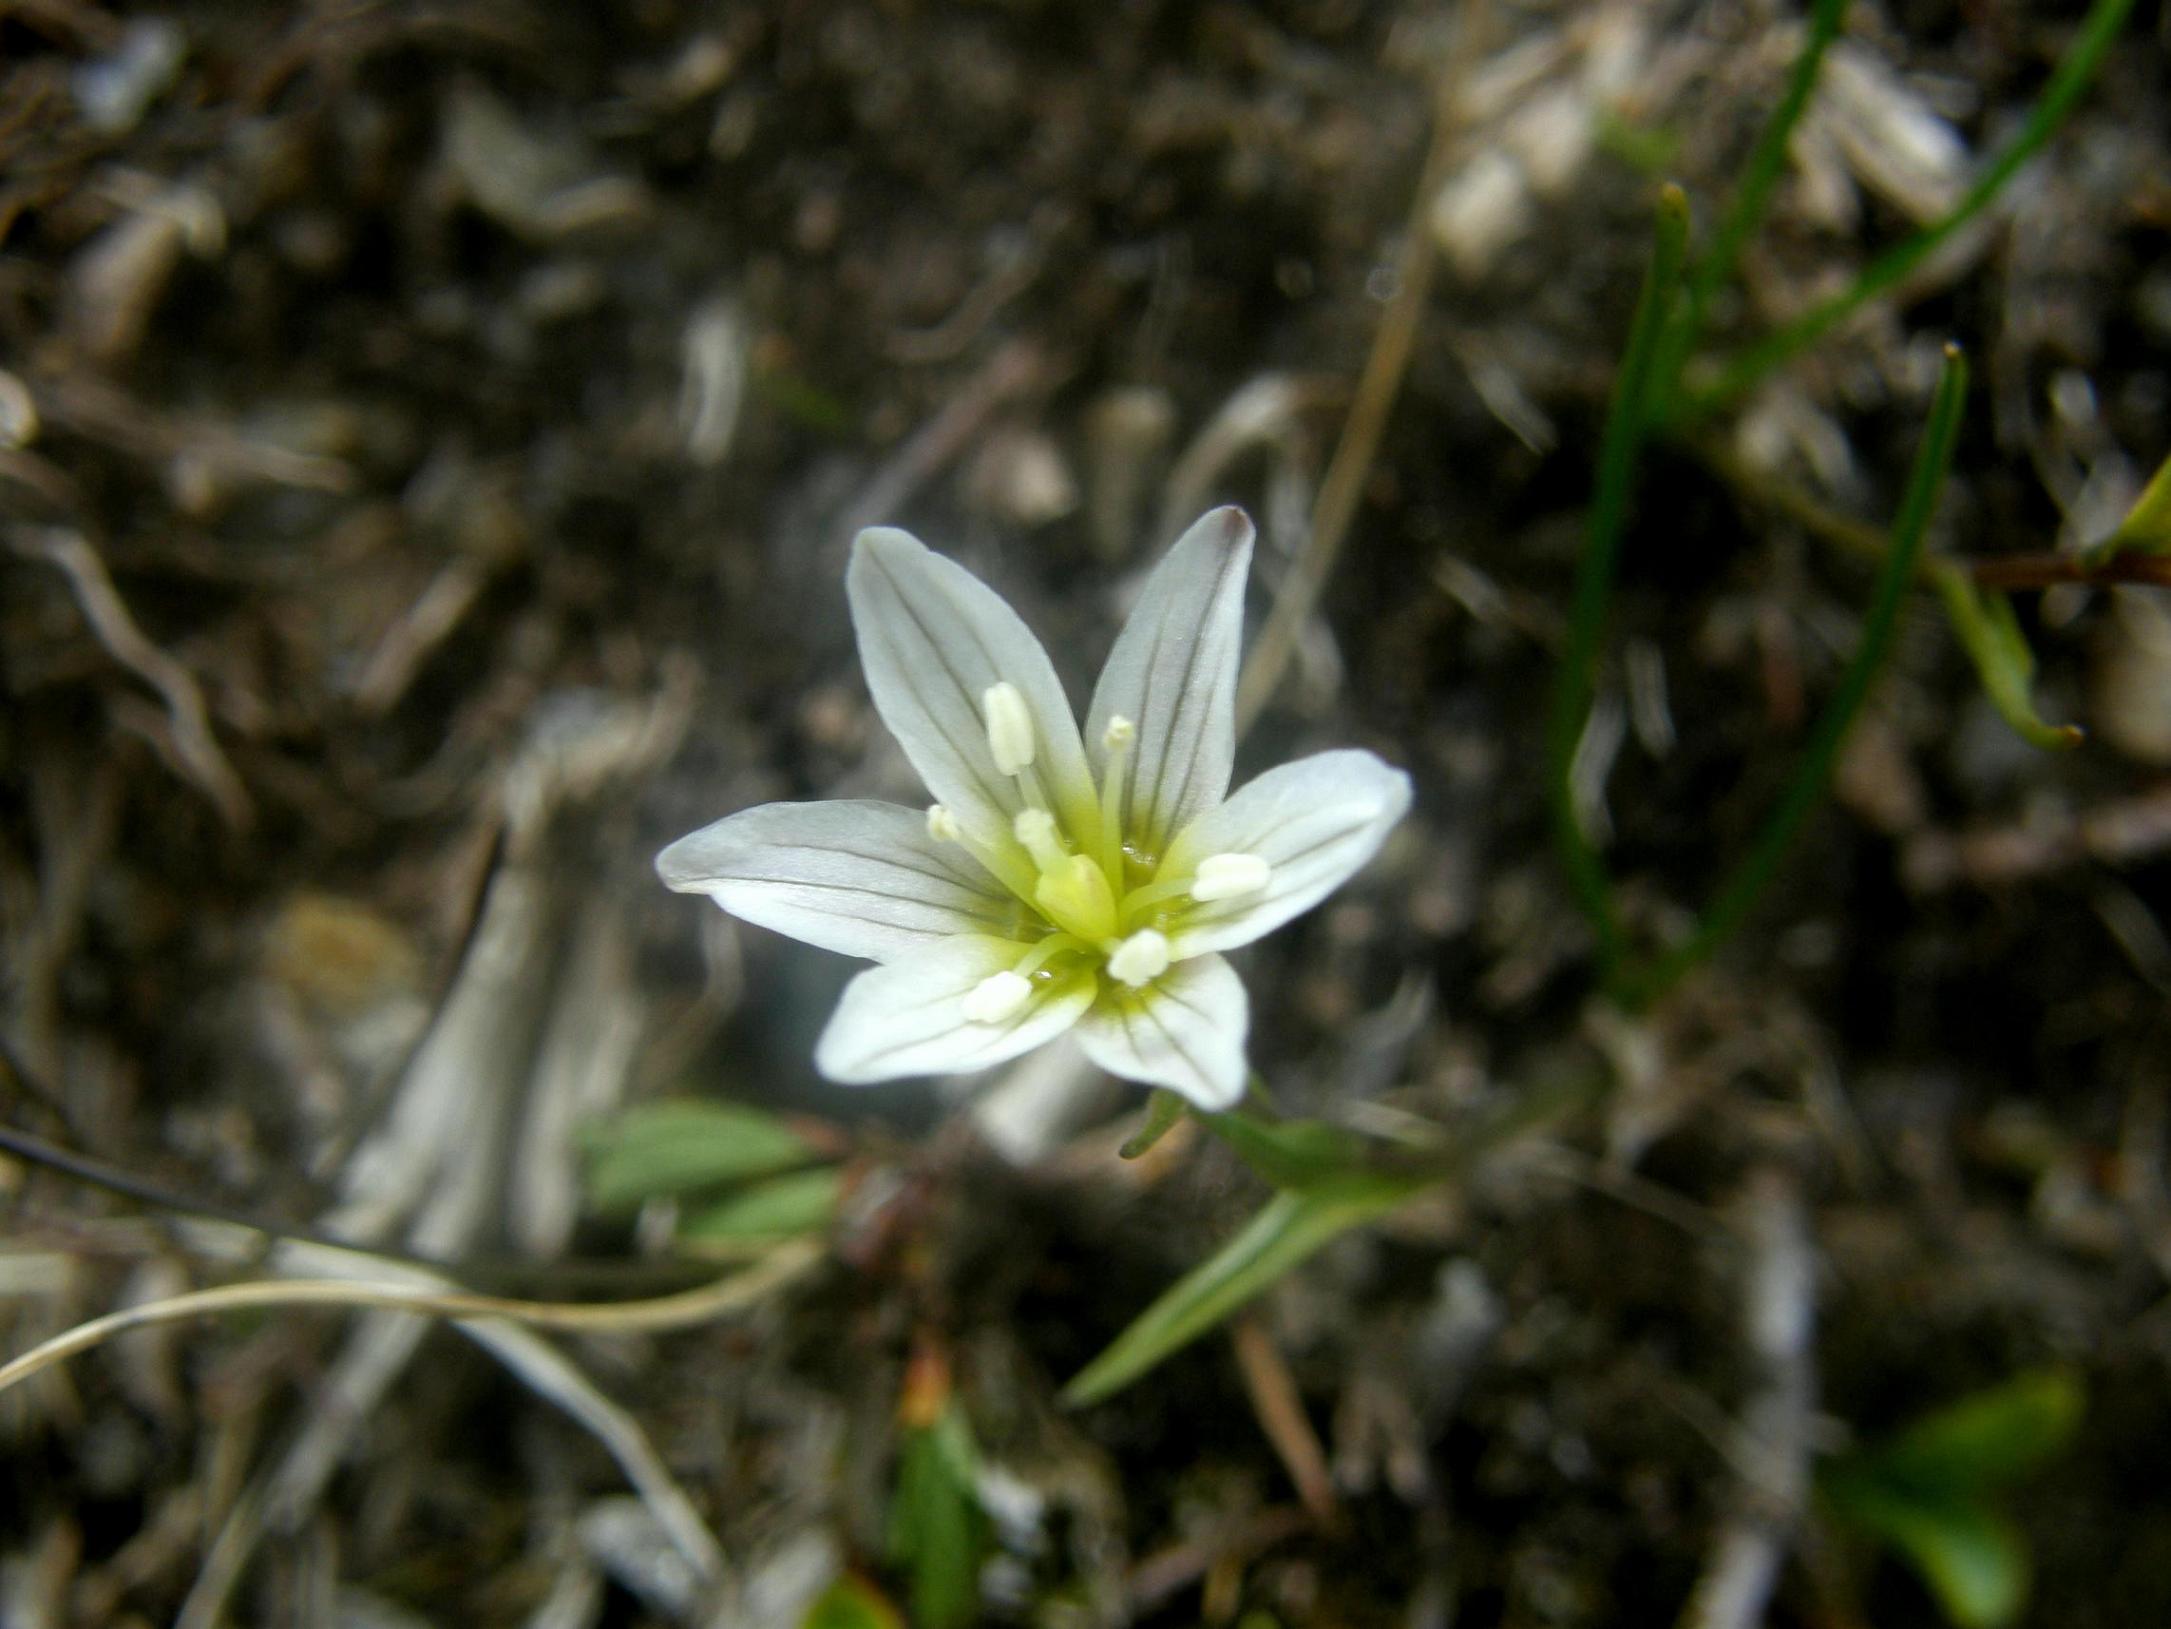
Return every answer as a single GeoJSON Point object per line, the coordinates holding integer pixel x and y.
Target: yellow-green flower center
{"type": "Point", "coordinates": [1103, 903]}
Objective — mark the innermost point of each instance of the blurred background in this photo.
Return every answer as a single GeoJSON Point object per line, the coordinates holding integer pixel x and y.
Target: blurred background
{"type": "Point", "coordinates": [431, 435]}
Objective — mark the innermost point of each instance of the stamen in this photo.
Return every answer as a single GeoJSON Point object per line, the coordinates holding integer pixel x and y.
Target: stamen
{"type": "Point", "coordinates": [1050, 947]}
{"type": "Point", "coordinates": [1140, 959]}
{"type": "Point", "coordinates": [1116, 742]}
{"type": "Point", "coordinates": [1010, 727]}
{"type": "Point", "coordinates": [997, 997]}
{"type": "Point", "coordinates": [942, 825]}
{"type": "Point", "coordinates": [1230, 876]}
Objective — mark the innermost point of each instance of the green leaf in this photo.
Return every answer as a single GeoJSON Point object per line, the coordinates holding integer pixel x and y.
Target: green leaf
{"type": "Point", "coordinates": [1292, 1227]}
{"type": "Point", "coordinates": [851, 1604]}
{"type": "Point", "coordinates": [1972, 1559]}
{"type": "Point", "coordinates": [682, 1145]}
{"type": "Point", "coordinates": [1925, 1492]}
{"type": "Point", "coordinates": [2146, 528]}
{"type": "Point", "coordinates": [1291, 1153]}
{"type": "Point", "coordinates": [937, 1530]}
{"type": "Point", "coordinates": [1984, 1442]}
{"type": "Point", "coordinates": [781, 1207]}
{"type": "Point", "coordinates": [1989, 632]}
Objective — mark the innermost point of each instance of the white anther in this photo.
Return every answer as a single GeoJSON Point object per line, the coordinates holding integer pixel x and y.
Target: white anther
{"type": "Point", "coordinates": [1141, 958]}
{"type": "Point", "coordinates": [1229, 876]}
{"type": "Point", "coordinates": [942, 825]}
{"type": "Point", "coordinates": [997, 997]}
{"type": "Point", "coordinates": [1010, 727]}
{"type": "Point", "coordinates": [1120, 733]}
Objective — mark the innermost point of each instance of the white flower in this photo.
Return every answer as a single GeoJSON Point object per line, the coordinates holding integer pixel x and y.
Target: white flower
{"type": "Point", "coordinates": [1059, 882]}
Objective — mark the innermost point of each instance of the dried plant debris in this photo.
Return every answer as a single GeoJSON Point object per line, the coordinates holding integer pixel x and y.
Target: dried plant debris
{"type": "Point", "coordinates": [431, 442]}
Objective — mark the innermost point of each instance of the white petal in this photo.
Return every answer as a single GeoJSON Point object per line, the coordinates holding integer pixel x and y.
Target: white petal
{"type": "Point", "coordinates": [909, 1017]}
{"type": "Point", "coordinates": [1173, 674]}
{"type": "Point", "coordinates": [934, 640]}
{"type": "Point", "coordinates": [1315, 821]}
{"type": "Point", "coordinates": [864, 879]}
{"type": "Point", "coordinates": [1184, 1031]}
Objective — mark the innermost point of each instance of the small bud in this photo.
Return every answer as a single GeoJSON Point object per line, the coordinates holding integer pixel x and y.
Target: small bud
{"type": "Point", "coordinates": [1119, 734]}
{"type": "Point", "coordinates": [942, 825]}
{"type": "Point", "coordinates": [997, 997]}
{"type": "Point", "coordinates": [1229, 876]}
{"type": "Point", "coordinates": [1010, 727]}
{"type": "Point", "coordinates": [1140, 959]}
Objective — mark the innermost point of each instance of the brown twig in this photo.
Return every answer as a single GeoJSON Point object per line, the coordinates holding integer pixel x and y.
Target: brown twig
{"type": "Point", "coordinates": [1274, 1398]}
{"type": "Point", "coordinates": [195, 750]}
{"type": "Point", "coordinates": [2010, 572]}
{"type": "Point", "coordinates": [1377, 388]}
{"type": "Point", "coordinates": [2005, 573]}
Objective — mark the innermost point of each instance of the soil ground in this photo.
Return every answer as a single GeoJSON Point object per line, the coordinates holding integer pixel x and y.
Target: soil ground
{"type": "Point", "coordinates": [430, 439]}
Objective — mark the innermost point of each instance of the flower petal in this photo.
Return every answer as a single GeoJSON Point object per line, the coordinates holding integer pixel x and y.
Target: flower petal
{"type": "Point", "coordinates": [1184, 1031]}
{"type": "Point", "coordinates": [934, 640]}
{"type": "Point", "coordinates": [1315, 821]}
{"type": "Point", "coordinates": [908, 1018]}
{"type": "Point", "coordinates": [864, 879]}
{"type": "Point", "coordinates": [1173, 674]}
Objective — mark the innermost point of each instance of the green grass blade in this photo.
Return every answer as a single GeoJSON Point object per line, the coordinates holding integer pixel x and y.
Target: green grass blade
{"type": "Point", "coordinates": [1746, 883]}
{"type": "Point", "coordinates": [1627, 425]}
{"type": "Point", "coordinates": [1752, 199]}
{"type": "Point", "coordinates": [2098, 30]}
{"type": "Point", "coordinates": [1291, 1228]}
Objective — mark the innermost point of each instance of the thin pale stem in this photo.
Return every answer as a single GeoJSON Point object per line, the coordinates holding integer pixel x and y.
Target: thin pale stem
{"type": "Point", "coordinates": [682, 1311]}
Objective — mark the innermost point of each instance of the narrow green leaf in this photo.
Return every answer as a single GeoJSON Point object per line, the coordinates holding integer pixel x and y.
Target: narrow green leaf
{"type": "Point", "coordinates": [1985, 1441]}
{"type": "Point", "coordinates": [1163, 1110]}
{"type": "Point", "coordinates": [938, 1533]}
{"type": "Point", "coordinates": [1745, 883]}
{"type": "Point", "coordinates": [778, 1208]}
{"type": "Point", "coordinates": [1291, 1153]}
{"type": "Point", "coordinates": [1292, 1227]}
{"type": "Point", "coordinates": [2092, 41]}
{"type": "Point", "coordinates": [1752, 199]}
{"type": "Point", "coordinates": [682, 1145]}
{"type": "Point", "coordinates": [2146, 528]}
{"type": "Point", "coordinates": [1984, 623]}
